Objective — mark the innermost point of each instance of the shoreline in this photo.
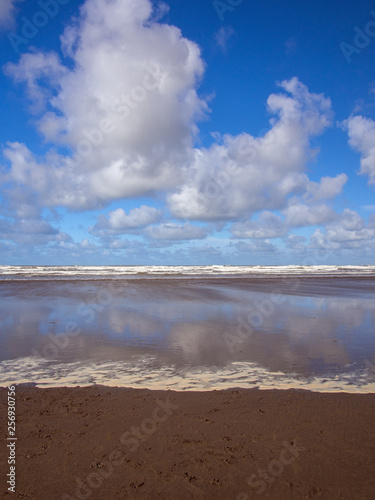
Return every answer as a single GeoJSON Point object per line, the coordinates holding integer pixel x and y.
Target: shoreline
{"type": "Point", "coordinates": [144, 375]}
{"type": "Point", "coordinates": [106, 442]}
{"type": "Point", "coordinates": [210, 333]}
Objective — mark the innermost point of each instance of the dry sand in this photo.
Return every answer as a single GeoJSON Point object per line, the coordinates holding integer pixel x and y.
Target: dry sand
{"type": "Point", "coordinates": [111, 443]}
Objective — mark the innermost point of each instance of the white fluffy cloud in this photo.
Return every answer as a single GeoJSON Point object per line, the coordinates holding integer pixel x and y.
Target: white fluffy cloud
{"type": "Point", "coordinates": [301, 215]}
{"type": "Point", "coordinates": [246, 174]}
{"type": "Point", "coordinates": [119, 221]}
{"type": "Point", "coordinates": [361, 133]}
{"type": "Point", "coordinates": [350, 227]}
{"type": "Point", "coordinates": [327, 188]}
{"type": "Point", "coordinates": [269, 225]}
{"type": "Point", "coordinates": [126, 105]}
{"type": "Point", "coordinates": [31, 230]}
{"type": "Point", "coordinates": [348, 231]}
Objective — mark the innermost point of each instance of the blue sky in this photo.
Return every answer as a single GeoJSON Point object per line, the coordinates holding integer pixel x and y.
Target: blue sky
{"type": "Point", "coordinates": [224, 132]}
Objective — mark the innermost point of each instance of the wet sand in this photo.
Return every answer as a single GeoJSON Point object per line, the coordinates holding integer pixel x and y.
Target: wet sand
{"type": "Point", "coordinates": [159, 333]}
{"type": "Point", "coordinates": [115, 443]}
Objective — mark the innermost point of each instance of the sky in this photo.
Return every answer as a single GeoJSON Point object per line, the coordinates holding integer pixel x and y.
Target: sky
{"type": "Point", "coordinates": [138, 132]}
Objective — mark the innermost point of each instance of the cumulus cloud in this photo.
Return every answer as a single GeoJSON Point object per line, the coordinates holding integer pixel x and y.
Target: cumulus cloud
{"type": "Point", "coordinates": [269, 225]}
{"type": "Point", "coordinates": [126, 105]}
{"type": "Point", "coordinates": [350, 227]}
{"type": "Point", "coordinates": [119, 221]}
{"type": "Point", "coordinates": [247, 174]}
{"type": "Point", "coordinates": [348, 231]}
{"type": "Point", "coordinates": [361, 132]}
{"type": "Point", "coordinates": [327, 188]}
{"type": "Point", "coordinates": [33, 69]}
{"type": "Point", "coordinates": [301, 215]}
{"type": "Point", "coordinates": [31, 231]}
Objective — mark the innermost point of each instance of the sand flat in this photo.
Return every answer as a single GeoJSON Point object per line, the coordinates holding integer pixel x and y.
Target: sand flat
{"type": "Point", "coordinates": [99, 442]}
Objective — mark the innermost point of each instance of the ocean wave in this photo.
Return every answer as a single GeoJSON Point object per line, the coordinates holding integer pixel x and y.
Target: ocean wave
{"type": "Point", "coordinates": [137, 272]}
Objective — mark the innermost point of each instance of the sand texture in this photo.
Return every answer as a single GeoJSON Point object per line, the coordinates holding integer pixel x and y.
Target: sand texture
{"type": "Point", "coordinates": [111, 443]}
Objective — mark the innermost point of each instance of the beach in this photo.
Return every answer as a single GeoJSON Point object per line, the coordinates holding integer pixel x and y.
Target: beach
{"type": "Point", "coordinates": [230, 383]}
{"type": "Point", "coordinates": [100, 442]}
{"type": "Point", "coordinates": [189, 331]}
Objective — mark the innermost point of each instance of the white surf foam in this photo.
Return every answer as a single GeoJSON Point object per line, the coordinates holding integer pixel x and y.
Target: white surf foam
{"type": "Point", "coordinates": [97, 272]}
{"type": "Point", "coordinates": [144, 373]}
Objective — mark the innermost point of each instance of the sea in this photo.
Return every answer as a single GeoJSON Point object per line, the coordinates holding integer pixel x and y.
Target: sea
{"type": "Point", "coordinates": [189, 327]}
